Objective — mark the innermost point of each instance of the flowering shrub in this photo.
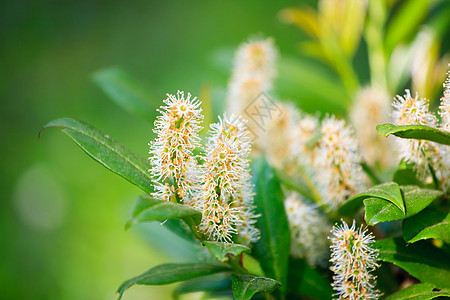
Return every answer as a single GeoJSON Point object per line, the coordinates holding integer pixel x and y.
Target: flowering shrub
{"type": "Point", "coordinates": [270, 190]}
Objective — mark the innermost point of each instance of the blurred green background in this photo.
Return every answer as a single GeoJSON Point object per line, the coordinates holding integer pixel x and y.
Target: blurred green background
{"type": "Point", "coordinates": [62, 215]}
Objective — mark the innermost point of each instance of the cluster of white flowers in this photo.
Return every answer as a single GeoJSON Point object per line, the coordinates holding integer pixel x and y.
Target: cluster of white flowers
{"type": "Point", "coordinates": [372, 107]}
{"type": "Point", "coordinates": [423, 154]}
{"type": "Point", "coordinates": [253, 73]}
{"type": "Point", "coordinates": [172, 160]}
{"type": "Point", "coordinates": [220, 187]}
{"type": "Point", "coordinates": [444, 108]}
{"type": "Point", "coordinates": [337, 162]}
{"type": "Point", "coordinates": [226, 197]}
{"type": "Point", "coordinates": [353, 259]}
{"type": "Point", "coordinates": [278, 138]}
{"type": "Point", "coordinates": [309, 230]}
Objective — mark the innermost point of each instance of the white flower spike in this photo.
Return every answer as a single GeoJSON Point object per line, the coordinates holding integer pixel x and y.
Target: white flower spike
{"type": "Point", "coordinates": [353, 259]}
{"type": "Point", "coordinates": [309, 230]}
{"type": "Point", "coordinates": [226, 193]}
{"type": "Point", "coordinates": [173, 164]}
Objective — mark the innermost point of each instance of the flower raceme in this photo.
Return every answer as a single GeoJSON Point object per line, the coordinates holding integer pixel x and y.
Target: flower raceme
{"type": "Point", "coordinates": [220, 187]}
{"type": "Point", "coordinates": [172, 160]}
{"type": "Point", "coordinates": [226, 193]}
{"type": "Point", "coordinates": [423, 154]}
{"type": "Point", "coordinates": [309, 230]}
{"type": "Point", "coordinates": [353, 260]}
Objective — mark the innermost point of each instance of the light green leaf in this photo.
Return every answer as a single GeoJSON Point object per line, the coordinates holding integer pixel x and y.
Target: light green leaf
{"type": "Point", "coordinates": [272, 250]}
{"type": "Point", "coordinates": [106, 151]}
{"type": "Point", "coordinates": [416, 199]}
{"type": "Point", "coordinates": [220, 250]}
{"type": "Point", "coordinates": [403, 25]}
{"type": "Point", "coordinates": [149, 209]}
{"type": "Point", "coordinates": [387, 191]}
{"type": "Point", "coordinates": [245, 286]}
{"type": "Point", "coordinates": [170, 273]}
{"type": "Point", "coordinates": [420, 132]}
{"type": "Point", "coordinates": [430, 223]}
{"type": "Point", "coordinates": [420, 291]}
{"type": "Point", "coordinates": [421, 260]}
{"type": "Point", "coordinates": [126, 92]}
{"type": "Point", "coordinates": [317, 87]}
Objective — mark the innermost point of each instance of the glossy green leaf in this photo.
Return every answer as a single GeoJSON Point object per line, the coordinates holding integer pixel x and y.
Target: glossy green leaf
{"type": "Point", "coordinates": [422, 260]}
{"type": "Point", "coordinates": [430, 223]}
{"type": "Point", "coordinates": [306, 281]}
{"type": "Point", "coordinates": [406, 175]}
{"type": "Point", "coordinates": [170, 273]}
{"type": "Point", "coordinates": [149, 209]}
{"type": "Point", "coordinates": [420, 132]}
{"type": "Point", "coordinates": [126, 92]}
{"type": "Point", "coordinates": [220, 250]}
{"type": "Point", "coordinates": [245, 286]}
{"type": "Point", "coordinates": [102, 148]}
{"type": "Point", "coordinates": [272, 250]}
{"type": "Point", "coordinates": [416, 199]}
{"type": "Point", "coordinates": [211, 283]}
{"type": "Point", "coordinates": [420, 291]}
{"type": "Point", "coordinates": [387, 191]}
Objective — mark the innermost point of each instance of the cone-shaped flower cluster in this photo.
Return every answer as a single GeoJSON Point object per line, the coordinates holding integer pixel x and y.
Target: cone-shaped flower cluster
{"type": "Point", "coordinates": [172, 160]}
{"type": "Point", "coordinates": [423, 154]}
{"type": "Point", "coordinates": [309, 230]}
{"type": "Point", "coordinates": [337, 162]}
{"type": "Point", "coordinates": [372, 107]}
{"type": "Point", "coordinates": [253, 73]}
{"type": "Point", "coordinates": [353, 259]}
{"type": "Point", "coordinates": [444, 108]}
{"type": "Point", "coordinates": [226, 193]}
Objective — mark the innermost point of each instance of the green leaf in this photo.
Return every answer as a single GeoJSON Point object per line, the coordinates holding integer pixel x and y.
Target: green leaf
{"type": "Point", "coordinates": [314, 83]}
{"type": "Point", "coordinates": [387, 191]}
{"type": "Point", "coordinates": [406, 175]}
{"type": "Point", "coordinates": [212, 283]}
{"type": "Point", "coordinates": [416, 199]}
{"type": "Point", "coordinates": [126, 92]}
{"type": "Point", "coordinates": [420, 132]}
{"type": "Point", "coordinates": [430, 223]}
{"type": "Point", "coordinates": [402, 25]}
{"type": "Point", "coordinates": [421, 291]}
{"type": "Point", "coordinates": [169, 273]}
{"type": "Point", "coordinates": [149, 209]}
{"type": "Point", "coordinates": [306, 281]}
{"type": "Point", "coordinates": [421, 260]}
{"type": "Point", "coordinates": [245, 286]}
{"type": "Point", "coordinates": [220, 250]}
{"type": "Point", "coordinates": [272, 250]}
{"type": "Point", "coordinates": [106, 151]}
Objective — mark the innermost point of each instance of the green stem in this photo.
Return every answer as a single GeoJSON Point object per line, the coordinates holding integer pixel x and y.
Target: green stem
{"type": "Point", "coordinates": [233, 261]}
{"type": "Point", "coordinates": [374, 39]}
{"type": "Point", "coordinates": [368, 170]}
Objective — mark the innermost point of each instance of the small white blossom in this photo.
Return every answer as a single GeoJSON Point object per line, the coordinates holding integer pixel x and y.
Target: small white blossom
{"type": "Point", "coordinates": [253, 73]}
{"type": "Point", "coordinates": [226, 191]}
{"type": "Point", "coordinates": [337, 163]}
{"type": "Point", "coordinates": [372, 107]}
{"type": "Point", "coordinates": [309, 230]}
{"type": "Point", "coordinates": [277, 139]}
{"type": "Point", "coordinates": [444, 108]}
{"type": "Point", "coordinates": [423, 154]}
{"type": "Point", "coordinates": [302, 136]}
{"type": "Point", "coordinates": [171, 153]}
{"type": "Point", "coordinates": [353, 259]}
